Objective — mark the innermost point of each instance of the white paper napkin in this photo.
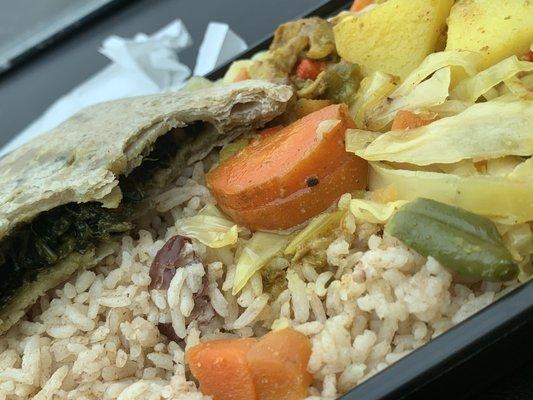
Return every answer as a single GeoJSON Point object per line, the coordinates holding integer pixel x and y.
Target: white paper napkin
{"type": "Point", "coordinates": [220, 44]}
{"type": "Point", "coordinates": [146, 64]}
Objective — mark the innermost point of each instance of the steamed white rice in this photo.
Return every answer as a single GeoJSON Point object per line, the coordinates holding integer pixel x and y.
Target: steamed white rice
{"type": "Point", "coordinates": [96, 337]}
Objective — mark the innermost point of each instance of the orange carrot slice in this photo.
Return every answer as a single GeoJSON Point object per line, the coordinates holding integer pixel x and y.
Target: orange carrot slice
{"type": "Point", "coordinates": [286, 212]}
{"type": "Point", "coordinates": [278, 362]}
{"type": "Point", "coordinates": [277, 166]}
{"type": "Point", "coordinates": [222, 370]}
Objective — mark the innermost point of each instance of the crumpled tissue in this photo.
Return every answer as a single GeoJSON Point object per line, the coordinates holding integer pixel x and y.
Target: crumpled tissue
{"type": "Point", "coordinates": [143, 65]}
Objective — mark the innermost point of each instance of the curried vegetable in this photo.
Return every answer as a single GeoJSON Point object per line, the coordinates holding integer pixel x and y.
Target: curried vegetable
{"type": "Point", "coordinates": [283, 179]}
{"type": "Point", "coordinates": [271, 368]}
{"type": "Point", "coordinates": [460, 240]}
{"type": "Point", "coordinates": [342, 82]}
{"type": "Point", "coordinates": [496, 29]}
{"type": "Point", "coordinates": [316, 31]}
{"type": "Point", "coordinates": [309, 69]}
{"type": "Point", "coordinates": [394, 37]}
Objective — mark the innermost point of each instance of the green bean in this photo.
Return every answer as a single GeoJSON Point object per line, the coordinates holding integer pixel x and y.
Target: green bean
{"type": "Point", "coordinates": [461, 241]}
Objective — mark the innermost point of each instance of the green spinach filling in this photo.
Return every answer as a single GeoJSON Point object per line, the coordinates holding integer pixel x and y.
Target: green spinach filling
{"type": "Point", "coordinates": [77, 227]}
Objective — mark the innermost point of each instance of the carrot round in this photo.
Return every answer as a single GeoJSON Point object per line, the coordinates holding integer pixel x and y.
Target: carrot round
{"type": "Point", "coordinates": [221, 368]}
{"type": "Point", "coordinates": [278, 166]}
{"type": "Point", "coordinates": [286, 212]}
{"type": "Point", "coordinates": [278, 362]}
{"type": "Point", "coordinates": [409, 120]}
{"type": "Point", "coordinates": [271, 368]}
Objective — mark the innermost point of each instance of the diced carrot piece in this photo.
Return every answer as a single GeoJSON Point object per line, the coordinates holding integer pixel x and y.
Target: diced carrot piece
{"type": "Point", "coordinates": [278, 362]}
{"type": "Point", "coordinates": [221, 368]}
{"type": "Point", "coordinates": [408, 120]}
{"type": "Point", "coordinates": [286, 212]}
{"type": "Point", "coordinates": [242, 75]}
{"type": "Point", "coordinates": [279, 165]}
{"type": "Point", "coordinates": [358, 5]}
{"type": "Point", "coordinates": [309, 69]}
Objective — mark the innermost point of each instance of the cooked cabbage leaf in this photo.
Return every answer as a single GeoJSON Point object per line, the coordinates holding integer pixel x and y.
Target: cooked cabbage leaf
{"type": "Point", "coordinates": [494, 197]}
{"type": "Point", "coordinates": [320, 225]}
{"type": "Point", "coordinates": [209, 227]}
{"type": "Point", "coordinates": [433, 62]}
{"type": "Point", "coordinates": [374, 212]}
{"type": "Point", "coordinates": [257, 252]}
{"type": "Point", "coordinates": [428, 93]}
{"type": "Point", "coordinates": [484, 131]}
{"type": "Point", "coordinates": [523, 171]}
{"type": "Point", "coordinates": [372, 91]}
{"type": "Point", "coordinates": [470, 89]}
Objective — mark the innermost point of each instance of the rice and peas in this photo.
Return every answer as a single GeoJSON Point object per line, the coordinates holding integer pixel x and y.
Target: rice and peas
{"type": "Point", "coordinates": [98, 336]}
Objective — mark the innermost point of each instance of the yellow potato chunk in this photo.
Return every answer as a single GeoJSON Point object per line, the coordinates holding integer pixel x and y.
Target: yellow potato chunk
{"type": "Point", "coordinates": [496, 29]}
{"type": "Point", "coordinates": [395, 36]}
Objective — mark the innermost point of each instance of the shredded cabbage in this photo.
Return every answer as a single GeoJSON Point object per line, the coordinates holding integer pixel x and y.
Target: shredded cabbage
{"type": "Point", "coordinates": [428, 93]}
{"type": "Point", "coordinates": [484, 131]}
{"type": "Point", "coordinates": [494, 197]}
{"type": "Point", "coordinates": [523, 171]}
{"type": "Point", "coordinates": [519, 240]}
{"type": "Point", "coordinates": [196, 83]}
{"type": "Point", "coordinates": [374, 212]}
{"type": "Point", "coordinates": [417, 92]}
{"type": "Point", "coordinates": [503, 166]}
{"type": "Point", "coordinates": [259, 250]}
{"type": "Point", "coordinates": [470, 89]}
{"type": "Point", "coordinates": [372, 91]}
{"type": "Point", "coordinates": [319, 226]}
{"type": "Point", "coordinates": [450, 107]}
{"type": "Point", "coordinates": [435, 61]}
{"type": "Point", "coordinates": [209, 227]}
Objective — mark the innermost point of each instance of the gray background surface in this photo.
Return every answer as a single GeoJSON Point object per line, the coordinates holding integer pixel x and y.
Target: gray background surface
{"type": "Point", "coordinates": [29, 89]}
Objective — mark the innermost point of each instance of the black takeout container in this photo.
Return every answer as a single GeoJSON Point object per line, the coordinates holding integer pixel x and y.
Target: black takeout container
{"type": "Point", "coordinates": [466, 358]}
{"type": "Point", "coordinates": [471, 355]}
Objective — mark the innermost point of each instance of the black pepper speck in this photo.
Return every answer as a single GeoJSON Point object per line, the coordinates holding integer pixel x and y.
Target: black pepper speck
{"type": "Point", "coordinates": [312, 181]}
